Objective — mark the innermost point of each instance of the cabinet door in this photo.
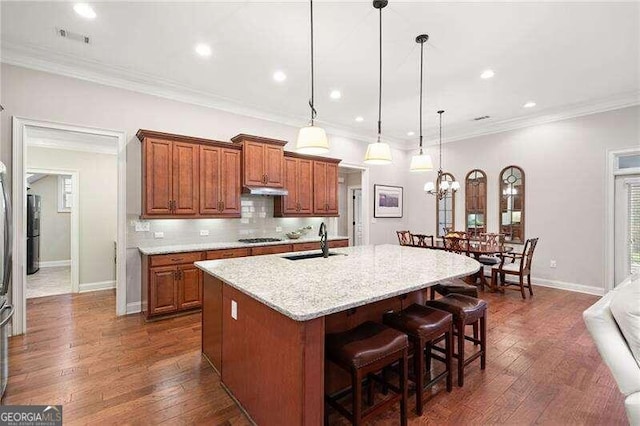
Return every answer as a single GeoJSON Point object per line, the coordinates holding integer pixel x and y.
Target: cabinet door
{"type": "Point", "coordinates": [163, 296]}
{"type": "Point", "coordinates": [185, 178]}
{"type": "Point", "coordinates": [230, 186]}
{"type": "Point", "coordinates": [290, 202]}
{"type": "Point", "coordinates": [305, 186]}
{"type": "Point", "coordinates": [189, 288]}
{"type": "Point", "coordinates": [274, 165]}
{"type": "Point", "coordinates": [319, 187]}
{"type": "Point", "coordinates": [157, 180]}
{"type": "Point", "coordinates": [210, 180]}
{"type": "Point", "coordinates": [332, 189]}
{"type": "Point", "coordinates": [253, 164]}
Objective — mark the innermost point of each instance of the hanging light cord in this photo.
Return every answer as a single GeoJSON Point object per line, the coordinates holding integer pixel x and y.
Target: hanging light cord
{"type": "Point", "coordinates": [311, 101]}
{"type": "Point", "coordinates": [421, 60]}
{"type": "Point", "coordinates": [380, 83]}
{"type": "Point", "coordinates": [440, 171]}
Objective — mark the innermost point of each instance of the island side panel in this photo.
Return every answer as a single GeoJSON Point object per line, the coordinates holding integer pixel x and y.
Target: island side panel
{"type": "Point", "coordinates": [212, 321]}
{"type": "Point", "coordinates": [272, 364]}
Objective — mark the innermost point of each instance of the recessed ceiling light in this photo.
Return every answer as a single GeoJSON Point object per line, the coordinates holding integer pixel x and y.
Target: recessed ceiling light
{"type": "Point", "coordinates": [279, 76]}
{"type": "Point", "coordinates": [411, 133]}
{"type": "Point", "coordinates": [529, 104]}
{"type": "Point", "coordinates": [335, 94]}
{"type": "Point", "coordinates": [359, 119]}
{"type": "Point", "coordinates": [84, 10]}
{"type": "Point", "coordinates": [203, 49]}
{"type": "Point", "coordinates": [487, 74]}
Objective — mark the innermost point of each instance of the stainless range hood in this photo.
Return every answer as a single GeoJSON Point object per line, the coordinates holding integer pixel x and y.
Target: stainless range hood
{"type": "Point", "coordinates": [263, 190]}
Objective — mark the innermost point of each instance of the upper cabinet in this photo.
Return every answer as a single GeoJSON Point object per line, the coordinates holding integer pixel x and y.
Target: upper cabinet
{"type": "Point", "coordinates": [188, 177]}
{"type": "Point", "coordinates": [325, 188]}
{"type": "Point", "coordinates": [262, 161]}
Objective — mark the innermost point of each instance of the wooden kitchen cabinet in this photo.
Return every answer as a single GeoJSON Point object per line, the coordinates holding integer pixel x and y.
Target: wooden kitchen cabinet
{"type": "Point", "coordinates": [219, 181]}
{"type": "Point", "coordinates": [298, 180]}
{"type": "Point", "coordinates": [262, 161]}
{"type": "Point", "coordinates": [325, 188]}
{"type": "Point", "coordinates": [171, 284]}
{"type": "Point", "coordinates": [185, 177]}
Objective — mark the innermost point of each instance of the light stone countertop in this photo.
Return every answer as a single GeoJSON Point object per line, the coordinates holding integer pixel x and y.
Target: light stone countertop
{"type": "Point", "coordinates": [182, 248]}
{"type": "Point", "coordinates": [311, 288]}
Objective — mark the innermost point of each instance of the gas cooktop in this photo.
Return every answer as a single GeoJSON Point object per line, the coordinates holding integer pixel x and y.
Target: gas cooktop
{"type": "Point", "coordinates": [259, 240]}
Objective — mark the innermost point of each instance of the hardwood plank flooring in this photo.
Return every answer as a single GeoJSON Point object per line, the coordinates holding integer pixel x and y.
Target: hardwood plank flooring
{"type": "Point", "coordinates": [542, 367]}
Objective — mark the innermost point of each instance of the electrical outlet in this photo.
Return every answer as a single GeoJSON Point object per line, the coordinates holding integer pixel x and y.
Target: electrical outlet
{"type": "Point", "coordinates": [278, 228]}
{"type": "Point", "coordinates": [234, 309]}
{"type": "Point", "coordinates": [553, 264]}
{"type": "Point", "coordinates": [204, 232]}
{"type": "Point", "coordinates": [142, 226]}
{"type": "Point", "coordinates": [158, 235]}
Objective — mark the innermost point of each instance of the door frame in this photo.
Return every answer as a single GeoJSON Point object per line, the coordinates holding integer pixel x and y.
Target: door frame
{"type": "Point", "coordinates": [609, 233]}
{"type": "Point", "coordinates": [19, 215]}
{"type": "Point", "coordinates": [350, 211]}
{"type": "Point", "coordinates": [75, 220]}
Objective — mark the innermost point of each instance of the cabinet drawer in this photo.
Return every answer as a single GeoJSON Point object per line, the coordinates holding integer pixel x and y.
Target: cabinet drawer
{"type": "Point", "coordinates": [228, 253]}
{"type": "Point", "coordinates": [338, 243]}
{"type": "Point", "coordinates": [175, 258]}
{"type": "Point", "coordinates": [306, 246]}
{"type": "Point", "coordinates": [281, 248]}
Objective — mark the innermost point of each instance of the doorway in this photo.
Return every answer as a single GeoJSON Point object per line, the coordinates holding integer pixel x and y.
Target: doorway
{"type": "Point", "coordinates": [351, 221]}
{"type": "Point", "coordinates": [356, 220]}
{"type": "Point", "coordinates": [52, 230]}
{"type": "Point", "coordinates": [75, 139]}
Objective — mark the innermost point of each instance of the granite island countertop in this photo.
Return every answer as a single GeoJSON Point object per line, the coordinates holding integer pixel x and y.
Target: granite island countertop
{"type": "Point", "coordinates": [182, 248]}
{"type": "Point", "coordinates": [311, 288]}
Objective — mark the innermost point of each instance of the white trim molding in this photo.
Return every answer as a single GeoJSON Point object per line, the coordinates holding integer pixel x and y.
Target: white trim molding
{"type": "Point", "coordinates": [96, 286]}
{"type": "Point", "coordinates": [134, 307]}
{"type": "Point", "coordinates": [55, 263]}
{"type": "Point", "coordinates": [562, 285]}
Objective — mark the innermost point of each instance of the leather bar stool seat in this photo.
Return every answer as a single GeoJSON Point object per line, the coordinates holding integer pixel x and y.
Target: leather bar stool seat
{"type": "Point", "coordinates": [454, 286]}
{"type": "Point", "coordinates": [466, 311]}
{"type": "Point", "coordinates": [363, 351]}
{"type": "Point", "coordinates": [423, 325]}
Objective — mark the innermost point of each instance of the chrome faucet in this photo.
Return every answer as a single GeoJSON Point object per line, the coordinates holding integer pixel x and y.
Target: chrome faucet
{"type": "Point", "coordinates": [323, 240]}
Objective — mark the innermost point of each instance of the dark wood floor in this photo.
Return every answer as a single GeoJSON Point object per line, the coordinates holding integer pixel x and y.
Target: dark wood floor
{"type": "Point", "coordinates": [542, 367]}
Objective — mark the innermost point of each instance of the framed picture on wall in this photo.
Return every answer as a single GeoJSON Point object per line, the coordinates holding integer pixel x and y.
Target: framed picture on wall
{"type": "Point", "coordinates": [387, 201]}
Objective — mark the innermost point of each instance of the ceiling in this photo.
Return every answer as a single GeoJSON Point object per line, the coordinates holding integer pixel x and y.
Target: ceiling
{"type": "Point", "coordinates": [564, 56]}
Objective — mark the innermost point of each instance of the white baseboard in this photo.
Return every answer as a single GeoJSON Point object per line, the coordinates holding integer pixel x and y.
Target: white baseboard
{"type": "Point", "coordinates": [99, 285]}
{"type": "Point", "coordinates": [54, 263]}
{"type": "Point", "coordinates": [578, 288]}
{"type": "Point", "coordinates": [134, 307]}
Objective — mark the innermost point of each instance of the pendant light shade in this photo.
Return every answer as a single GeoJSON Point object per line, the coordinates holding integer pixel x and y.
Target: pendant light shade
{"type": "Point", "coordinates": [312, 139]}
{"type": "Point", "coordinates": [379, 152]}
{"type": "Point", "coordinates": [421, 162]}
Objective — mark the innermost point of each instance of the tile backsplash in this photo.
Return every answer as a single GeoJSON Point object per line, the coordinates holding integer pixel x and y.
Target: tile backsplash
{"type": "Point", "coordinates": [257, 221]}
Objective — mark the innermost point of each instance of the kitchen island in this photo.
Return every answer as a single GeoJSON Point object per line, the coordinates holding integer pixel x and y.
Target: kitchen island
{"type": "Point", "coordinates": [265, 317]}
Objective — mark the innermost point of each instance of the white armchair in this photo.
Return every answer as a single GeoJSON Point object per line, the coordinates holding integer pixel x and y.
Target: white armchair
{"type": "Point", "coordinates": [616, 335]}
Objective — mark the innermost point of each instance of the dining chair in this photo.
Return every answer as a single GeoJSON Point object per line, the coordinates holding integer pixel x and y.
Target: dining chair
{"type": "Point", "coordinates": [520, 265]}
{"type": "Point", "coordinates": [491, 240]}
{"type": "Point", "coordinates": [420, 240]}
{"type": "Point", "coordinates": [404, 238]}
{"type": "Point", "coordinates": [455, 285]}
{"type": "Point", "coordinates": [455, 244]}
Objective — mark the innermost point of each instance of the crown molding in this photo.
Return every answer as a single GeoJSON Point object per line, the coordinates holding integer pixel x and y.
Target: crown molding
{"type": "Point", "coordinates": [36, 58]}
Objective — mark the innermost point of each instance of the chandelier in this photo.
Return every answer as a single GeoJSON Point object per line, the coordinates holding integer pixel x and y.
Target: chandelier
{"type": "Point", "coordinates": [444, 187]}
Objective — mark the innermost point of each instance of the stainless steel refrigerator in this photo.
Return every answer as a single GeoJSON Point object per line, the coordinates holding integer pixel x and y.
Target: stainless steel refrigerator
{"type": "Point", "coordinates": [33, 233]}
{"type": "Point", "coordinates": [6, 310]}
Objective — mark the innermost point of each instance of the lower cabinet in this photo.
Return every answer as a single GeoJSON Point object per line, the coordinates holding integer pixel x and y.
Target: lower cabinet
{"type": "Point", "coordinates": [170, 286]}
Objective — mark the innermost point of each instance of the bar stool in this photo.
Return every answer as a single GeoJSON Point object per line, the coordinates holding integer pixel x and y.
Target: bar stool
{"type": "Point", "coordinates": [466, 311]}
{"type": "Point", "coordinates": [453, 286]}
{"type": "Point", "coordinates": [363, 351]}
{"type": "Point", "coordinates": [423, 325]}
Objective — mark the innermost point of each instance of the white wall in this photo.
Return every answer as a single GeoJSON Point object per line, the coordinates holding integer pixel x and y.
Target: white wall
{"type": "Point", "coordinates": [565, 165]}
{"type": "Point", "coordinates": [38, 95]}
{"type": "Point", "coordinates": [97, 175]}
{"type": "Point", "coordinates": [55, 227]}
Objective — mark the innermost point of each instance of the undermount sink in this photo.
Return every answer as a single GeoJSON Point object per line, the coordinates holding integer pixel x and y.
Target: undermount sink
{"type": "Point", "coordinates": [309, 256]}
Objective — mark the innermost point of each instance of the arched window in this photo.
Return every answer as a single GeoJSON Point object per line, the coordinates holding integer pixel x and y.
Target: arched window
{"type": "Point", "coordinates": [445, 207]}
{"type": "Point", "coordinates": [512, 204]}
{"type": "Point", "coordinates": [476, 202]}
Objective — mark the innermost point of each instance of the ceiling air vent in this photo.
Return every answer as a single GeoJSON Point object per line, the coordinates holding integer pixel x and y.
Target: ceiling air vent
{"type": "Point", "coordinates": [73, 36]}
{"type": "Point", "coordinates": [482, 117]}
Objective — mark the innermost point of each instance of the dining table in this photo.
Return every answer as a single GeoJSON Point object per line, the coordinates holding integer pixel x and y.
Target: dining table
{"type": "Point", "coordinates": [476, 249]}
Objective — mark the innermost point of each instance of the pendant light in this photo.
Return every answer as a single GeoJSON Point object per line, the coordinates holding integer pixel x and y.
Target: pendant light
{"type": "Point", "coordinates": [444, 188]}
{"type": "Point", "coordinates": [421, 162]}
{"type": "Point", "coordinates": [379, 152]}
{"type": "Point", "coordinates": [312, 139]}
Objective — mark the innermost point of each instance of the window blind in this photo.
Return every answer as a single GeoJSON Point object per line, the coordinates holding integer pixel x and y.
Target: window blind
{"type": "Point", "coordinates": [634, 227]}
